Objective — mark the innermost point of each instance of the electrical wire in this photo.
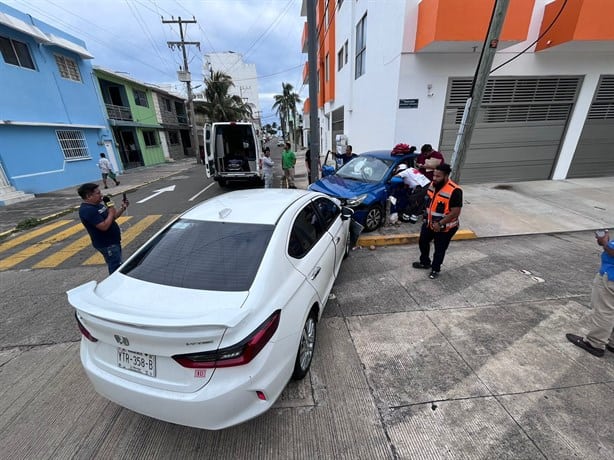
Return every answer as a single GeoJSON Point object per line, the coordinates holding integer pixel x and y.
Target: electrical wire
{"type": "Point", "coordinates": [536, 40]}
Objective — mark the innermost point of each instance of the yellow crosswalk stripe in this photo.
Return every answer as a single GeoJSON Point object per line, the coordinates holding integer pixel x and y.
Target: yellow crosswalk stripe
{"type": "Point", "coordinates": [25, 254]}
{"type": "Point", "coordinates": [127, 236]}
{"type": "Point", "coordinates": [31, 235]}
{"type": "Point", "coordinates": [65, 253]}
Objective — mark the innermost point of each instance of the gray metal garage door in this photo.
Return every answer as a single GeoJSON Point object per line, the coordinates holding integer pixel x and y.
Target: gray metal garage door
{"type": "Point", "coordinates": [594, 156]}
{"type": "Point", "coordinates": [518, 130]}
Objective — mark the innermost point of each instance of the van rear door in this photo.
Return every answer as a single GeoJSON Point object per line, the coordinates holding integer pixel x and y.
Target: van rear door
{"type": "Point", "coordinates": [209, 161]}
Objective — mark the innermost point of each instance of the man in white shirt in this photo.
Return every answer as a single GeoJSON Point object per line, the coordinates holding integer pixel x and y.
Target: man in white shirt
{"type": "Point", "coordinates": [267, 168]}
{"type": "Point", "coordinates": [416, 185]}
{"type": "Point", "coordinates": [107, 170]}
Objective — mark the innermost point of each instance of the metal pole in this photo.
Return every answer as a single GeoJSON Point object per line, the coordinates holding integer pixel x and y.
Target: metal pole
{"type": "Point", "coordinates": [188, 83]}
{"type": "Point", "coordinates": [472, 107]}
{"type": "Point", "coordinates": [314, 124]}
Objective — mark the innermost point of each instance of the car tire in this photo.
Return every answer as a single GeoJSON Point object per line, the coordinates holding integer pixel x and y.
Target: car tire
{"type": "Point", "coordinates": [374, 218]}
{"type": "Point", "coordinates": [306, 347]}
{"type": "Point", "coordinates": [222, 182]}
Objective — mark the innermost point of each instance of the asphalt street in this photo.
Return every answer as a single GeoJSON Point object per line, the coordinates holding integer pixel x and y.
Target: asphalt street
{"type": "Point", "coordinates": [472, 365]}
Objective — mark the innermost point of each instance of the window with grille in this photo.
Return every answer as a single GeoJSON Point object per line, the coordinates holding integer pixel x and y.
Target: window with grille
{"type": "Point", "coordinates": [16, 53]}
{"type": "Point", "coordinates": [68, 68]}
{"type": "Point", "coordinates": [167, 105]}
{"type": "Point", "coordinates": [140, 98]}
{"type": "Point", "coordinates": [150, 138]}
{"type": "Point", "coordinates": [361, 47]}
{"type": "Point", "coordinates": [73, 144]}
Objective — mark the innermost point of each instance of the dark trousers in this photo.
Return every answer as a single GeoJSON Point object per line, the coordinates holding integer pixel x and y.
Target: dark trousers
{"type": "Point", "coordinates": [441, 240]}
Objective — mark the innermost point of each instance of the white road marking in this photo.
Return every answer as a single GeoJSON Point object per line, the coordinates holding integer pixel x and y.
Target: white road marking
{"type": "Point", "coordinates": [202, 191]}
{"type": "Point", "coordinates": [157, 192]}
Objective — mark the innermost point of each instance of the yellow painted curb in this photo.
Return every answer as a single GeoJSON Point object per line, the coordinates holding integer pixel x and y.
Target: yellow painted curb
{"type": "Point", "coordinates": [406, 238]}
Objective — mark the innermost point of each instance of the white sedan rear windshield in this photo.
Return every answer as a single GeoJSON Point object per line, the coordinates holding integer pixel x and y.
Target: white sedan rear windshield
{"type": "Point", "coordinates": [216, 256]}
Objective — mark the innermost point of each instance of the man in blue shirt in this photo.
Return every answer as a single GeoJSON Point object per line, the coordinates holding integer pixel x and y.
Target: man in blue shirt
{"type": "Point", "coordinates": [98, 218]}
{"type": "Point", "coordinates": [601, 319]}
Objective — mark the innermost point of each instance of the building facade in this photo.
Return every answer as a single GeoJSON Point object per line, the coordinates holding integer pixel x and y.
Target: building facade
{"type": "Point", "coordinates": [243, 74]}
{"type": "Point", "coordinates": [402, 70]}
{"type": "Point", "coordinates": [52, 127]}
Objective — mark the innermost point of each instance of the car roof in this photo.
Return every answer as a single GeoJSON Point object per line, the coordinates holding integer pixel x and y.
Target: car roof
{"type": "Point", "coordinates": [386, 154]}
{"type": "Point", "coordinates": [254, 206]}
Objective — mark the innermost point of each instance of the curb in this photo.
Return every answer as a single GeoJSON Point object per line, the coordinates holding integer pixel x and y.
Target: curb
{"type": "Point", "coordinates": [407, 238]}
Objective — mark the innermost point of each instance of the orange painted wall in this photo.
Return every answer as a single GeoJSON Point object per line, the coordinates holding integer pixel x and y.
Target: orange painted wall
{"type": "Point", "coordinates": [580, 20]}
{"type": "Point", "coordinates": [467, 20]}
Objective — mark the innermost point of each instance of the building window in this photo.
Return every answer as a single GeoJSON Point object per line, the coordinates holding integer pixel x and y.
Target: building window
{"type": "Point", "coordinates": [173, 137]}
{"type": "Point", "coordinates": [361, 47]}
{"type": "Point", "coordinates": [167, 105]}
{"type": "Point", "coordinates": [150, 138]}
{"type": "Point", "coordinates": [68, 68]}
{"type": "Point", "coordinates": [140, 98]}
{"type": "Point", "coordinates": [16, 53]}
{"type": "Point", "coordinates": [326, 67]}
{"type": "Point", "coordinates": [326, 15]}
{"type": "Point", "coordinates": [73, 144]}
{"type": "Point", "coordinates": [345, 51]}
{"type": "Point", "coordinates": [340, 59]}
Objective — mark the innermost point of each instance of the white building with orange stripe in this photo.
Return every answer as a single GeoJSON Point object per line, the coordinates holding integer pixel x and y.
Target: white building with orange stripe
{"type": "Point", "coordinates": [394, 71]}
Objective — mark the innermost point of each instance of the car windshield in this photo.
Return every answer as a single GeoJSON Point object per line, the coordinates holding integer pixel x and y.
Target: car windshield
{"type": "Point", "coordinates": [216, 256]}
{"type": "Point", "coordinates": [365, 169]}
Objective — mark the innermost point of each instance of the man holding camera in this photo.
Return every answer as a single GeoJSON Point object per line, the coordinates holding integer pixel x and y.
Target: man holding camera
{"type": "Point", "coordinates": [98, 215]}
{"type": "Point", "coordinates": [601, 320]}
{"type": "Point", "coordinates": [441, 223]}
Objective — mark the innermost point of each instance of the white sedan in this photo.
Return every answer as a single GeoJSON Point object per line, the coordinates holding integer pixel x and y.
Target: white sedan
{"type": "Point", "coordinates": [206, 323]}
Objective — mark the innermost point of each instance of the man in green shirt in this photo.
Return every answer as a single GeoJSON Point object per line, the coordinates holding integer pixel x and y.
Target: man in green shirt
{"type": "Point", "coordinates": [288, 160]}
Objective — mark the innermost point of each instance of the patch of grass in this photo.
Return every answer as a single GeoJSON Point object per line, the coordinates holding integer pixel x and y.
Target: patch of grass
{"type": "Point", "coordinates": [28, 223]}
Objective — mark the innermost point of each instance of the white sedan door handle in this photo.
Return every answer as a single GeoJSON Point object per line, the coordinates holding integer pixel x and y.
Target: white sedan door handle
{"type": "Point", "coordinates": [314, 273]}
{"type": "Point", "coordinates": [337, 239]}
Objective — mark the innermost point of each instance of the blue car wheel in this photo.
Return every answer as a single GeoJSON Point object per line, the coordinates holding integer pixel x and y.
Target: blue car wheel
{"type": "Point", "coordinates": [374, 218]}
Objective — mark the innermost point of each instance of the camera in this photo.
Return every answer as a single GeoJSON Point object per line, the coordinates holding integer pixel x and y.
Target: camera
{"type": "Point", "coordinates": [600, 233]}
{"type": "Point", "coordinates": [107, 201]}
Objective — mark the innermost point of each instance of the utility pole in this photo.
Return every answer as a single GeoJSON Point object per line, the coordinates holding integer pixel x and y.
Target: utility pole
{"type": "Point", "coordinates": [184, 75]}
{"type": "Point", "coordinates": [472, 106]}
{"type": "Point", "coordinates": [312, 58]}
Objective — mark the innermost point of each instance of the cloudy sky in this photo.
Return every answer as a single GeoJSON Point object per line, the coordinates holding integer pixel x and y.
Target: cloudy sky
{"type": "Point", "coordinates": [128, 36]}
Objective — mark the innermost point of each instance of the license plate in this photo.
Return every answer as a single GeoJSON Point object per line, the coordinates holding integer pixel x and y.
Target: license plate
{"type": "Point", "coordinates": [137, 362]}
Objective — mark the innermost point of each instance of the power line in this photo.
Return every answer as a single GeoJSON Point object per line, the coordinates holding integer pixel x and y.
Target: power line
{"type": "Point", "coordinates": [536, 40]}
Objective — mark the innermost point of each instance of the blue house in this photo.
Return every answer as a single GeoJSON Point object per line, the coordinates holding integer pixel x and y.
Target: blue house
{"type": "Point", "coordinates": [52, 122]}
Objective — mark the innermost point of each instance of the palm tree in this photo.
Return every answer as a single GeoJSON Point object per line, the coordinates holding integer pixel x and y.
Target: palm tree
{"type": "Point", "coordinates": [285, 106]}
{"type": "Point", "coordinates": [218, 104]}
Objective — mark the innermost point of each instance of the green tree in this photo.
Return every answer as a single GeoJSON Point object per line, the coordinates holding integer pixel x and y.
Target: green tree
{"type": "Point", "coordinates": [285, 106]}
{"type": "Point", "coordinates": [219, 105]}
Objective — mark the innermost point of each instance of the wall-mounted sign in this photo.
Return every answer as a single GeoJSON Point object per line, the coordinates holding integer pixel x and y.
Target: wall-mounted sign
{"type": "Point", "coordinates": [408, 103]}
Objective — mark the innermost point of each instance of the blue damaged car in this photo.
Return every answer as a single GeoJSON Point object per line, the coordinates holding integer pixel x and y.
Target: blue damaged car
{"type": "Point", "coordinates": [363, 184]}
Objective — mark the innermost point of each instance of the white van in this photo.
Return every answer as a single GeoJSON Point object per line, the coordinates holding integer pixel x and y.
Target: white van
{"type": "Point", "coordinates": [233, 153]}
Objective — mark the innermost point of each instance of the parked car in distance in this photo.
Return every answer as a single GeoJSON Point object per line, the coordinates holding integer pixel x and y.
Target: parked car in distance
{"type": "Point", "coordinates": [280, 143]}
{"type": "Point", "coordinates": [363, 184]}
{"type": "Point", "coordinates": [207, 322]}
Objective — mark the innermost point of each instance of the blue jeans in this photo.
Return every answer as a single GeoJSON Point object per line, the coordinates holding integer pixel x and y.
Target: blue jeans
{"type": "Point", "coordinates": [112, 256]}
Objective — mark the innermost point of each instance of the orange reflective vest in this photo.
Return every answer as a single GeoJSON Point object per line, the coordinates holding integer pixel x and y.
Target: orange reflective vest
{"type": "Point", "coordinates": [439, 205]}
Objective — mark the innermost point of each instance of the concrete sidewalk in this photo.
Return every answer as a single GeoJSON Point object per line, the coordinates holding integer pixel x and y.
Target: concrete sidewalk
{"type": "Point", "coordinates": [491, 209]}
